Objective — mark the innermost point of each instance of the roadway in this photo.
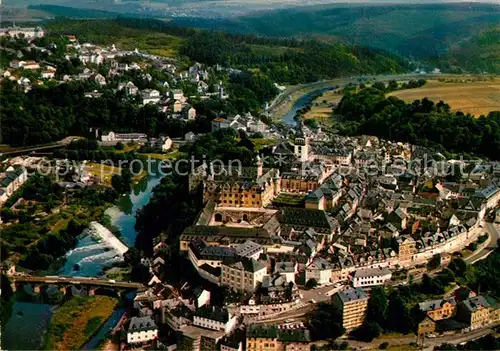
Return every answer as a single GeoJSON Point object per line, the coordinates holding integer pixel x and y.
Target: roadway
{"type": "Point", "coordinates": [428, 343]}
{"type": "Point", "coordinates": [493, 236]}
{"type": "Point", "coordinates": [31, 149]}
{"type": "Point", "coordinates": [74, 281]}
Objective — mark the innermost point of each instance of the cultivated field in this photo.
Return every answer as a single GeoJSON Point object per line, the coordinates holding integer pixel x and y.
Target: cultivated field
{"type": "Point", "coordinates": [322, 106]}
{"type": "Point", "coordinates": [476, 98]}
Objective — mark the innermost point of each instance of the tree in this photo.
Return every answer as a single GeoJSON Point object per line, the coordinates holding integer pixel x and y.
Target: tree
{"type": "Point", "coordinates": [398, 315]}
{"type": "Point", "coordinates": [311, 283]}
{"type": "Point", "coordinates": [458, 266]}
{"type": "Point", "coordinates": [119, 146]}
{"type": "Point", "coordinates": [326, 322]}
{"type": "Point", "coordinates": [393, 85]}
{"type": "Point", "coordinates": [366, 332]}
{"type": "Point", "coordinates": [377, 307]}
{"type": "Point", "coordinates": [379, 86]}
{"type": "Point", "coordinates": [431, 286]}
{"type": "Point", "coordinates": [434, 262]}
{"type": "Point", "coordinates": [311, 123]}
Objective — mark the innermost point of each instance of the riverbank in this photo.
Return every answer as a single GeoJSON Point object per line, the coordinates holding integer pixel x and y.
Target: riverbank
{"type": "Point", "coordinates": [294, 93]}
{"type": "Point", "coordinates": [77, 320]}
{"type": "Point", "coordinates": [121, 218]}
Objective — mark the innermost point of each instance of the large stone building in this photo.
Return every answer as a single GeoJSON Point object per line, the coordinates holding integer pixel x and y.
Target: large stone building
{"type": "Point", "coordinates": [353, 303]}
{"type": "Point", "coordinates": [235, 186]}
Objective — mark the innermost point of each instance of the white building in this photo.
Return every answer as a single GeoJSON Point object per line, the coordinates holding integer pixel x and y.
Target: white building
{"type": "Point", "coordinates": [10, 181]}
{"type": "Point", "coordinates": [48, 74]}
{"type": "Point", "coordinates": [201, 297]}
{"type": "Point", "coordinates": [371, 277]}
{"type": "Point", "coordinates": [150, 96]}
{"type": "Point", "coordinates": [141, 330]}
{"type": "Point", "coordinates": [319, 270]}
{"type": "Point", "coordinates": [215, 318]}
{"type": "Point", "coordinates": [178, 95]}
{"type": "Point", "coordinates": [301, 149]}
{"type": "Point", "coordinates": [129, 87]}
{"type": "Point", "coordinates": [99, 79]}
{"type": "Point", "coordinates": [288, 269]}
{"type": "Point", "coordinates": [18, 32]}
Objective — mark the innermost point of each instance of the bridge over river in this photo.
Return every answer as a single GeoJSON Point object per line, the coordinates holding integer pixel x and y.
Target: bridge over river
{"type": "Point", "coordinates": [75, 281]}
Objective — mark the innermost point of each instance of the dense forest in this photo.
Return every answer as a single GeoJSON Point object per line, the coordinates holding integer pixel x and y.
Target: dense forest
{"type": "Point", "coordinates": [422, 122]}
{"type": "Point", "coordinates": [46, 114]}
{"type": "Point", "coordinates": [282, 60]}
{"type": "Point", "coordinates": [428, 32]}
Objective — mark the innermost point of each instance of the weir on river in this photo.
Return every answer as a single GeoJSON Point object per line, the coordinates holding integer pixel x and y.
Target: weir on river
{"type": "Point", "coordinates": [105, 234]}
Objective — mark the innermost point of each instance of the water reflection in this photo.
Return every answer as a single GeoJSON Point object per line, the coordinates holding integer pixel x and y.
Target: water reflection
{"type": "Point", "coordinates": [26, 327]}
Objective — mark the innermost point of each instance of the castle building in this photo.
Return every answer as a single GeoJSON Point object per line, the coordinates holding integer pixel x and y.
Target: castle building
{"type": "Point", "coordinates": [241, 186]}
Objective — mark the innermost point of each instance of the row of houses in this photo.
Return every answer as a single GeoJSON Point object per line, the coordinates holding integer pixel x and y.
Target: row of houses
{"type": "Point", "coordinates": [10, 181]}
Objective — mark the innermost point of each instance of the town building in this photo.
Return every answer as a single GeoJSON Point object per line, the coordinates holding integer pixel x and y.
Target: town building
{"type": "Point", "coordinates": [371, 277]}
{"type": "Point", "coordinates": [243, 274]}
{"type": "Point", "coordinates": [439, 309]}
{"type": "Point", "coordinates": [236, 186]}
{"type": "Point", "coordinates": [474, 311]}
{"type": "Point", "coordinates": [150, 96]}
{"type": "Point", "coordinates": [112, 137]}
{"type": "Point", "coordinates": [10, 181]}
{"type": "Point", "coordinates": [215, 318]}
{"type": "Point", "coordinates": [426, 326]}
{"type": "Point", "coordinates": [320, 270]}
{"type": "Point", "coordinates": [277, 338]}
{"type": "Point", "coordinates": [407, 248]}
{"type": "Point", "coordinates": [353, 303]}
{"type": "Point", "coordinates": [262, 338]}
{"type": "Point", "coordinates": [18, 32]}
{"type": "Point", "coordinates": [142, 330]}
{"type": "Point", "coordinates": [249, 249]}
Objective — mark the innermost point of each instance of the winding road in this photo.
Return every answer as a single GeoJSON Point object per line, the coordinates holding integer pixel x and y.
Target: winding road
{"type": "Point", "coordinates": [494, 234]}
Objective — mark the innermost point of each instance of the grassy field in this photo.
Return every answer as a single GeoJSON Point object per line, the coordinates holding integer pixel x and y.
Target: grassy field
{"type": "Point", "coordinates": [290, 199]}
{"type": "Point", "coordinates": [75, 322]}
{"type": "Point", "coordinates": [104, 172]}
{"type": "Point", "coordinates": [320, 108]}
{"type": "Point", "coordinates": [476, 98]}
{"type": "Point", "coordinates": [158, 156]}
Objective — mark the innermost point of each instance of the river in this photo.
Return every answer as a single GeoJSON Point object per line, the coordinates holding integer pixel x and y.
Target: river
{"type": "Point", "coordinates": [91, 256]}
{"type": "Point", "coordinates": [289, 117]}
{"type": "Point", "coordinates": [29, 320]}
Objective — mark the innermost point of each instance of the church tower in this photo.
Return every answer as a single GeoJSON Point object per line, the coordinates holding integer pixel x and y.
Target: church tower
{"type": "Point", "coordinates": [221, 90]}
{"type": "Point", "coordinates": [260, 166]}
{"type": "Point", "coordinates": [301, 148]}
